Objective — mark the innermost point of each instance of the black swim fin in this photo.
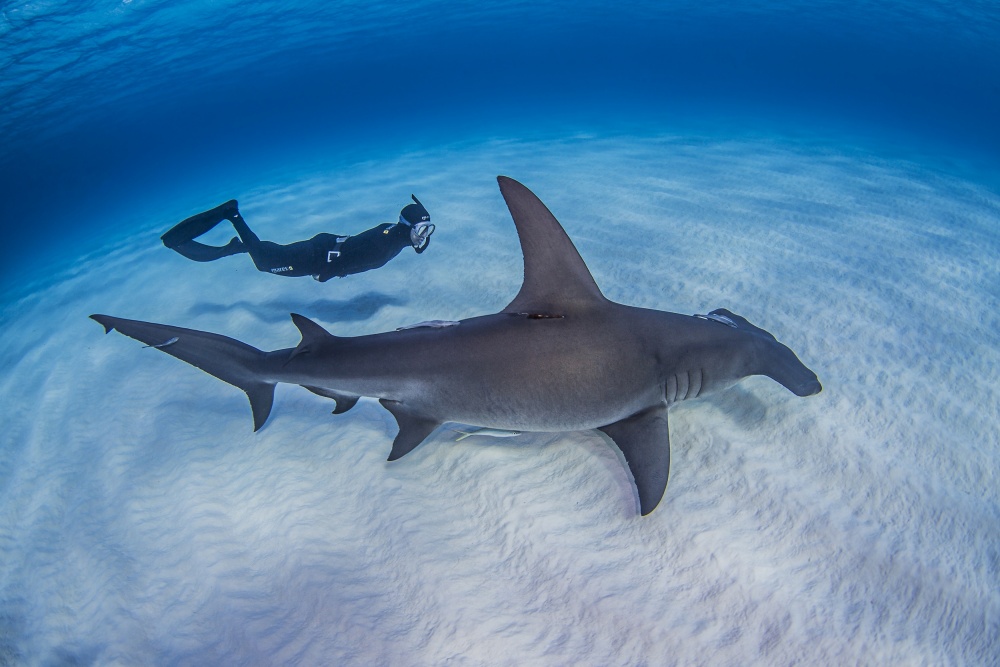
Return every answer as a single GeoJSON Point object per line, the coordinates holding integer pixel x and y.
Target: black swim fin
{"type": "Point", "coordinates": [198, 224]}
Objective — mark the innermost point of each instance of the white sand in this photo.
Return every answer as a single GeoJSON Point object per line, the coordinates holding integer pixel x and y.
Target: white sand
{"type": "Point", "coordinates": [142, 522]}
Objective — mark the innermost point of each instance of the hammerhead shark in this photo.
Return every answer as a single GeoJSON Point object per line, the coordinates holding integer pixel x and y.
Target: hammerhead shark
{"type": "Point", "coordinates": [559, 357]}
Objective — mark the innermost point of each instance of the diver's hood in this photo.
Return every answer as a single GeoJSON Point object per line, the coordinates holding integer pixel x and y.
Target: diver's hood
{"type": "Point", "coordinates": [415, 213]}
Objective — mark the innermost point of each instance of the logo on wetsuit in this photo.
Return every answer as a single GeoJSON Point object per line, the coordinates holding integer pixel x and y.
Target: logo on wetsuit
{"type": "Point", "coordinates": [282, 269]}
{"type": "Point", "coordinates": [335, 253]}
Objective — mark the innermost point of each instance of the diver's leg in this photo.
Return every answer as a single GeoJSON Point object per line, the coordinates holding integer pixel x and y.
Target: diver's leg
{"type": "Point", "coordinates": [246, 234]}
{"type": "Point", "coordinates": [200, 252]}
{"type": "Point", "coordinates": [196, 225]}
{"type": "Point", "coordinates": [261, 252]}
{"type": "Point", "coordinates": [269, 257]}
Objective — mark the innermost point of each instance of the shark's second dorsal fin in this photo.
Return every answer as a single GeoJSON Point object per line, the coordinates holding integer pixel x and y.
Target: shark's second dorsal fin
{"type": "Point", "coordinates": [556, 279]}
{"type": "Point", "coordinates": [312, 335]}
{"type": "Point", "coordinates": [311, 332]}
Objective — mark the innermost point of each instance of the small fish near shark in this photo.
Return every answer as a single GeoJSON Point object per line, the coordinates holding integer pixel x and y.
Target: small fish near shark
{"type": "Point", "coordinates": [559, 357]}
{"type": "Point", "coordinates": [164, 343]}
{"type": "Point", "coordinates": [491, 432]}
{"type": "Point", "coordinates": [430, 324]}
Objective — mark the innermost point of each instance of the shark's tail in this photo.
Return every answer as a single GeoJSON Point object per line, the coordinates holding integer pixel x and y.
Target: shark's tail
{"type": "Point", "coordinates": [231, 361]}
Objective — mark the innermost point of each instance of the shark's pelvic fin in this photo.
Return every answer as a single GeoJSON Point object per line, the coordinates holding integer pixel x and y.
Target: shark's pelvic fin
{"type": "Point", "coordinates": [413, 428]}
{"type": "Point", "coordinates": [645, 442]}
{"type": "Point", "coordinates": [344, 401]}
{"type": "Point", "coordinates": [556, 279]}
{"type": "Point", "coordinates": [229, 360]}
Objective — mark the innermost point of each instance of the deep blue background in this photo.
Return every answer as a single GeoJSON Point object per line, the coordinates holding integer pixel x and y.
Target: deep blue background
{"type": "Point", "coordinates": [113, 112]}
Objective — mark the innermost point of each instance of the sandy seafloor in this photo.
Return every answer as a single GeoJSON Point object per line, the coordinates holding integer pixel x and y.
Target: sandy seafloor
{"type": "Point", "coordinates": [143, 522]}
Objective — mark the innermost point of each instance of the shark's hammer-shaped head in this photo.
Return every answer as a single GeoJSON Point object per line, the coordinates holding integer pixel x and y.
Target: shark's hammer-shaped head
{"type": "Point", "coordinates": [784, 367]}
{"type": "Point", "coordinates": [767, 356]}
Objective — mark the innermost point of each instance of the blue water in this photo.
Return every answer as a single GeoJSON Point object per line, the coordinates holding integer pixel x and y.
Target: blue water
{"type": "Point", "coordinates": [831, 170]}
{"type": "Point", "coordinates": [111, 112]}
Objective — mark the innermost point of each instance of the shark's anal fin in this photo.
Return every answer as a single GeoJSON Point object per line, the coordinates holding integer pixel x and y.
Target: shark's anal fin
{"type": "Point", "coordinates": [344, 401]}
{"type": "Point", "coordinates": [413, 428]}
{"type": "Point", "coordinates": [645, 441]}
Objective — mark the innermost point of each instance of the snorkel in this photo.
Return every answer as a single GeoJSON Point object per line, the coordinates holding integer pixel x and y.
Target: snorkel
{"type": "Point", "coordinates": [416, 217]}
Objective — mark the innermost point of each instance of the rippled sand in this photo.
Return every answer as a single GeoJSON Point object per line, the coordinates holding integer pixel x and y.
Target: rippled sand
{"type": "Point", "coordinates": [143, 522]}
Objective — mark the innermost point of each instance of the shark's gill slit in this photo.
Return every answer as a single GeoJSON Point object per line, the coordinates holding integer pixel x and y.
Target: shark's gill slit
{"type": "Point", "coordinates": [696, 383]}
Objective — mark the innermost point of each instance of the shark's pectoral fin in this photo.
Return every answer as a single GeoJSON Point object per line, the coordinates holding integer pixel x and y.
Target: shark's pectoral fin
{"type": "Point", "coordinates": [645, 441]}
{"type": "Point", "coordinates": [413, 428]}
{"type": "Point", "coordinates": [344, 401]}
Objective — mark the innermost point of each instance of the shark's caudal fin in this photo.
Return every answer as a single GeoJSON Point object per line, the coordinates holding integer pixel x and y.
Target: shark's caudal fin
{"type": "Point", "coordinates": [556, 279]}
{"type": "Point", "coordinates": [229, 360]}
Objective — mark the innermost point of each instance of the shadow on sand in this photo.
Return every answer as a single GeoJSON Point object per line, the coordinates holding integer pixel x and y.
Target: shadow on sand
{"type": "Point", "coordinates": [355, 309]}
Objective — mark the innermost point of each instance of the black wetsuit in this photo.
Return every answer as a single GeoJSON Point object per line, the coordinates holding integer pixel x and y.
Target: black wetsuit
{"type": "Point", "coordinates": [324, 256]}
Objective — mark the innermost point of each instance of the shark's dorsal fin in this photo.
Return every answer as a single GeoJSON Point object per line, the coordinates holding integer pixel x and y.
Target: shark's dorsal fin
{"type": "Point", "coordinates": [556, 279]}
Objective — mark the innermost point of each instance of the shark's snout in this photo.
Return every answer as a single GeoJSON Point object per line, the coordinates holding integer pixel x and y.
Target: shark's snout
{"type": "Point", "coordinates": [808, 388]}
{"type": "Point", "coordinates": [781, 365]}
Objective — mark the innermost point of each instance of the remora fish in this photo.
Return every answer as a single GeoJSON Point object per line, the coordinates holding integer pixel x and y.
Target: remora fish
{"type": "Point", "coordinates": [164, 343]}
{"type": "Point", "coordinates": [491, 432]}
{"type": "Point", "coordinates": [430, 324]}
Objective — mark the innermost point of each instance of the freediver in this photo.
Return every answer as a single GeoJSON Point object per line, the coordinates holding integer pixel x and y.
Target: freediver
{"type": "Point", "coordinates": [324, 256]}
